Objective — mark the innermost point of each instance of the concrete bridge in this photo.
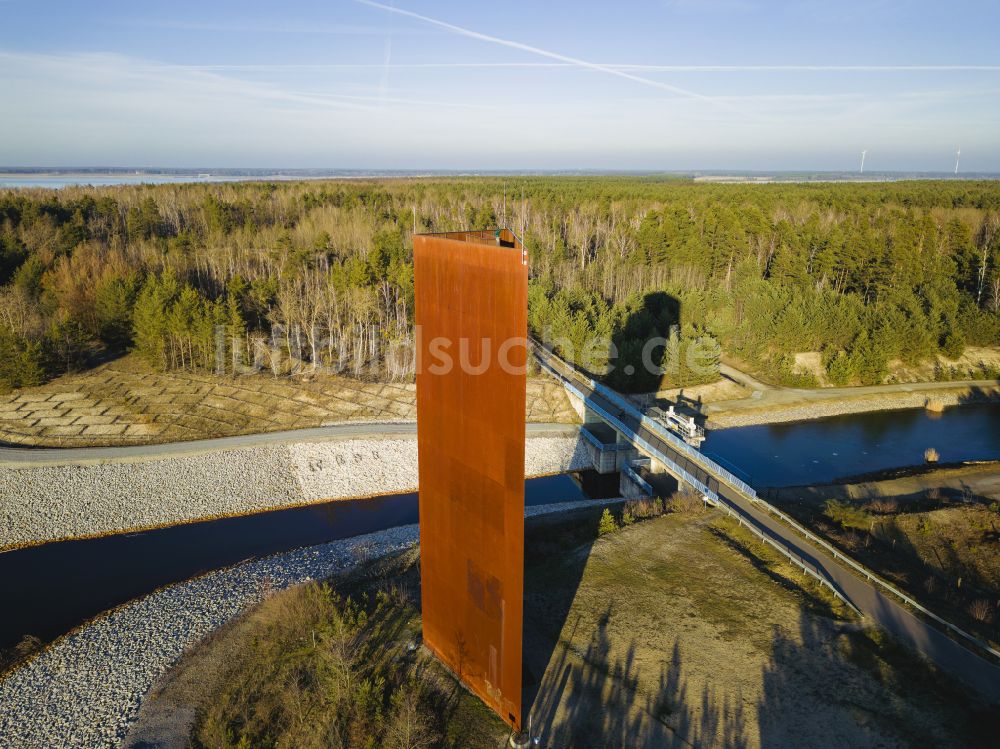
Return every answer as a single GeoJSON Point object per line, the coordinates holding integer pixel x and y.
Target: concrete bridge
{"type": "Point", "coordinates": [618, 433]}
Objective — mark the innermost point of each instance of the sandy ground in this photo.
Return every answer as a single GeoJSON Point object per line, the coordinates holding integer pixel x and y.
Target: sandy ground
{"type": "Point", "coordinates": [934, 534]}
{"type": "Point", "coordinates": [981, 480]}
{"type": "Point", "coordinates": [740, 399]}
{"type": "Point", "coordinates": [773, 405]}
{"type": "Point", "coordinates": [974, 357]}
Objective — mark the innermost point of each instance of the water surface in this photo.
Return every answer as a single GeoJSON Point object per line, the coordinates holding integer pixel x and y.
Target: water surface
{"type": "Point", "coordinates": [58, 181]}
{"type": "Point", "coordinates": [821, 450]}
{"type": "Point", "coordinates": [49, 589]}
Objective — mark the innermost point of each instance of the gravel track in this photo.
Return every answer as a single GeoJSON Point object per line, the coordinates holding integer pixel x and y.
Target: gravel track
{"type": "Point", "coordinates": [86, 690]}
{"type": "Point", "coordinates": [48, 502]}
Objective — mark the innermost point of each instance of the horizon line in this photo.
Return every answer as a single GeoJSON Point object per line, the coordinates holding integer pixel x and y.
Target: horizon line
{"type": "Point", "coordinates": [527, 171]}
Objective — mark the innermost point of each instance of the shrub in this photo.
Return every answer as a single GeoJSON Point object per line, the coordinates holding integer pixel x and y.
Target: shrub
{"type": "Point", "coordinates": [686, 501]}
{"type": "Point", "coordinates": [409, 726]}
{"type": "Point", "coordinates": [981, 610]}
{"type": "Point", "coordinates": [21, 361]}
{"type": "Point", "coordinates": [320, 670]}
{"type": "Point", "coordinates": [847, 515]}
{"type": "Point", "coordinates": [27, 647]}
{"type": "Point", "coordinates": [627, 517]}
{"type": "Point", "coordinates": [953, 345]}
{"type": "Point", "coordinates": [934, 405]}
{"type": "Point", "coordinates": [883, 506]}
{"type": "Point", "coordinates": [607, 524]}
{"type": "Point", "coordinates": [648, 507]}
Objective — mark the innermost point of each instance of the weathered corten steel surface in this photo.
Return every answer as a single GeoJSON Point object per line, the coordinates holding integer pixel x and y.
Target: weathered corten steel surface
{"type": "Point", "coordinates": [470, 288]}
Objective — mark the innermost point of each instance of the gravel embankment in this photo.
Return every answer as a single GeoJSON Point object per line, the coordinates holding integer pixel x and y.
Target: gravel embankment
{"type": "Point", "coordinates": [63, 501]}
{"type": "Point", "coordinates": [48, 502]}
{"type": "Point", "coordinates": [356, 467]}
{"type": "Point", "coordinates": [86, 690]}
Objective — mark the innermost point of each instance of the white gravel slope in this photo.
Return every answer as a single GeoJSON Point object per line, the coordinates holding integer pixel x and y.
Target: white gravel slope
{"type": "Point", "coordinates": [354, 467]}
{"type": "Point", "coordinates": [87, 689]}
{"type": "Point", "coordinates": [44, 503]}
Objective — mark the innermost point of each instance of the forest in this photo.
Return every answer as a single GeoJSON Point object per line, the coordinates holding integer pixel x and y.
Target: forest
{"type": "Point", "coordinates": [294, 277]}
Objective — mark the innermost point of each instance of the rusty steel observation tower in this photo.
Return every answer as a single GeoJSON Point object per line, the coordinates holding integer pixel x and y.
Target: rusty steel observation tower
{"type": "Point", "coordinates": [471, 308]}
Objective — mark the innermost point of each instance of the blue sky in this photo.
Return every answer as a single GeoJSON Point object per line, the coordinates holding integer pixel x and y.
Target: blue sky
{"type": "Point", "coordinates": [664, 84]}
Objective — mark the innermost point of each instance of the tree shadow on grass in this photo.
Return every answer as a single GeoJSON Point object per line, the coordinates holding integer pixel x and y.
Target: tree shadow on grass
{"type": "Point", "coordinates": [830, 682]}
{"type": "Point", "coordinates": [556, 550]}
{"type": "Point", "coordinates": [890, 696]}
{"type": "Point", "coordinates": [592, 695]}
{"type": "Point", "coordinates": [592, 698]}
{"type": "Point", "coordinates": [886, 697]}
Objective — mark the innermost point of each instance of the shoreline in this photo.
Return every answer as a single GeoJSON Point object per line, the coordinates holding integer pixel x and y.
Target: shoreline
{"type": "Point", "coordinates": [47, 503]}
{"type": "Point", "coordinates": [721, 417]}
{"type": "Point", "coordinates": [914, 471]}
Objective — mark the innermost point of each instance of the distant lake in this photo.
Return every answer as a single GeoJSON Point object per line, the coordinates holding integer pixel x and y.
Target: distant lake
{"type": "Point", "coordinates": [57, 181]}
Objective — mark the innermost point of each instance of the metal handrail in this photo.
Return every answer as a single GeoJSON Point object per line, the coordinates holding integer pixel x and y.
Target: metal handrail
{"type": "Point", "coordinates": [873, 577]}
{"type": "Point", "coordinates": [743, 488]}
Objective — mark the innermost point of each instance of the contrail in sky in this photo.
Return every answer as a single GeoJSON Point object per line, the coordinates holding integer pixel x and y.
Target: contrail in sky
{"type": "Point", "coordinates": [461, 31]}
{"type": "Point", "coordinates": [387, 63]}
{"type": "Point", "coordinates": [617, 66]}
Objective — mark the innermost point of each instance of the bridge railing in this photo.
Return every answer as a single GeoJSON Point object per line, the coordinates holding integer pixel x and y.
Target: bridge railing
{"type": "Point", "coordinates": [710, 496]}
{"type": "Point", "coordinates": [675, 442]}
{"type": "Point", "coordinates": [872, 577]}
{"type": "Point", "coordinates": [743, 488]}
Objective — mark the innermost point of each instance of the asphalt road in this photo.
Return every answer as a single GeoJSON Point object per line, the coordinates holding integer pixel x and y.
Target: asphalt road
{"type": "Point", "coordinates": [28, 456]}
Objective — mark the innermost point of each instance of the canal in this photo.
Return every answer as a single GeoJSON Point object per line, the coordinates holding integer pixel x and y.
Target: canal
{"type": "Point", "coordinates": [49, 589]}
{"type": "Point", "coordinates": [823, 450]}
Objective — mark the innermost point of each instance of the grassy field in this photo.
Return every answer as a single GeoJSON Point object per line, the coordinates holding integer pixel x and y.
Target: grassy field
{"type": "Point", "coordinates": [127, 402]}
{"type": "Point", "coordinates": [673, 631]}
{"type": "Point", "coordinates": [315, 667]}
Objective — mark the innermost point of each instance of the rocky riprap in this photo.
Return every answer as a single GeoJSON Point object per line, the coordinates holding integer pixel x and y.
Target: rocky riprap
{"type": "Point", "coordinates": [87, 688]}
{"type": "Point", "coordinates": [47, 502]}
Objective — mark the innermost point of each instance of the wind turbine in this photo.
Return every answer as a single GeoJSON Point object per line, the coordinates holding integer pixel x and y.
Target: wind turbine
{"type": "Point", "coordinates": [958, 157]}
{"type": "Point", "coordinates": [863, 161]}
